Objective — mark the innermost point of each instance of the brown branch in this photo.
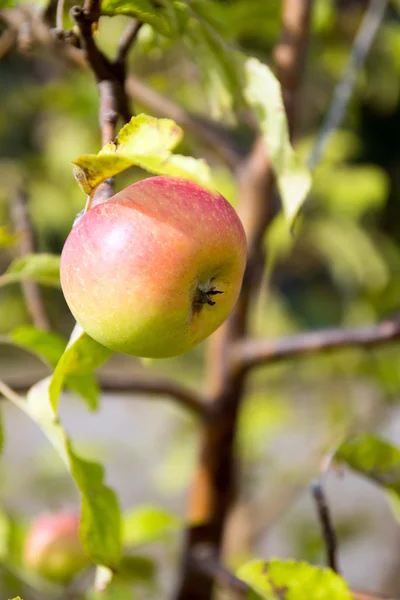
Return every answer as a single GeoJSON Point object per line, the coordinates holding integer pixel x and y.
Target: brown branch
{"type": "Point", "coordinates": [214, 488]}
{"type": "Point", "coordinates": [110, 77]}
{"type": "Point", "coordinates": [138, 384]}
{"type": "Point", "coordinates": [252, 352]}
{"type": "Point", "coordinates": [327, 529]}
{"type": "Point", "coordinates": [24, 229]}
{"type": "Point", "coordinates": [157, 386]}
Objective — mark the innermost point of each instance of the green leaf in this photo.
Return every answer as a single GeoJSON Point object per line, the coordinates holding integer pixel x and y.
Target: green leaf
{"type": "Point", "coordinates": [147, 143]}
{"type": "Point", "coordinates": [17, 598]}
{"type": "Point", "coordinates": [137, 568]}
{"type": "Point", "coordinates": [6, 237]}
{"type": "Point", "coordinates": [101, 527]}
{"type": "Point", "coordinates": [86, 387]}
{"type": "Point", "coordinates": [101, 530]}
{"type": "Point", "coordinates": [82, 356]}
{"type": "Point", "coordinates": [42, 268]}
{"type": "Point", "coordinates": [218, 63]}
{"type": "Point", "coordinates": [164, 21]}
{"type": "Point", "coordinates": [50, 347]}
{"type": "Point", "coordinates": [374, 458]}
{"type": "Point", "coordinates": [263, 94]}
{"type": "Point", "coordinates": [290, 580]}
{"type": "Point", "coordinates": [47, 344]}
{"type": "Point", "coordinates": [148, 524]}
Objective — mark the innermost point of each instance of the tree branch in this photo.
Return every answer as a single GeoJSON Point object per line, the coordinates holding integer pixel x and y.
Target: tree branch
{"type": "Point", "coordinates": [138, 384]}
{"type": "Point", "coordinates": [24, 229]}
{"type": "Point", "coordinates": [110, 77]}
{"type": "Point", "coordinates": [150, 386]}
{"type": "Point", "coordinates": [252, 352]}
{"type": "Point", "coordinates": [126, 41]}
{"type": "Point", "coordinates": [327, 529]}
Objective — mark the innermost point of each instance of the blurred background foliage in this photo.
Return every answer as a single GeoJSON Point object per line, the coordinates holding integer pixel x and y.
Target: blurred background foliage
{"type": "Point", "coordinates": [341, 268]}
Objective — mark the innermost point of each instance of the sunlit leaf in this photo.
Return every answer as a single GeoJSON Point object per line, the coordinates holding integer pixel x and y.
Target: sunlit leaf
{"type": "Point", "coordinates": [166, 20]}
{"type": "Point", "coordinates": [263, 93]}
{"type": "Point", "coordinates": [377, 460]}
{"type": "Point", "coordinates": [42, 268]}
{"type": "Point", "coordinates": [6, 237]}
{"type": "Point", "coordinates": [145, 142]}
{"type": "Point", "coordinates": [290, 580]}
{"type": "Point", "coordinates": [148, 524]}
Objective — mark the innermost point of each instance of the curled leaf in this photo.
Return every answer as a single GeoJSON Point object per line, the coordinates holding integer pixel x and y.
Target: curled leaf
{"type": "Point", "coordinates": [144, 142]}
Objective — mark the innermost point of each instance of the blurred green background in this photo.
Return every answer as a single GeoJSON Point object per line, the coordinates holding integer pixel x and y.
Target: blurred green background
{"type": "Point", "coordinates": [342, 268]}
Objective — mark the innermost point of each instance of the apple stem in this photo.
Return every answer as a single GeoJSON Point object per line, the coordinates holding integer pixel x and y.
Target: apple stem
{"type": "Point", "coordinates": [203, 296]}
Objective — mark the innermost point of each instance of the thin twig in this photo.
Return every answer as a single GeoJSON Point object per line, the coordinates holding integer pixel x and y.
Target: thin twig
{"type": "Point", "coordinates": [126, 41]}
{"type": "Point", "coordinates": [341, 97]}
{"type": "Point", "coordinates": [252, 352]}
{"type": "Point", "coordinates": [327, 528]}
{"type": "Point", "coordinates": [30, 289]}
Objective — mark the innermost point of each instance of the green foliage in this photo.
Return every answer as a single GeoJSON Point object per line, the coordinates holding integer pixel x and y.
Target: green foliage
{"type": "Point", "coordinates": [6, 237]}
{"type": "Point", "coordinates": [263, 94]}
{"type": "Point", "coordinates": [42, 268]}
{"type": "Point", "coordinates": [377, 460]}
{"type": "Point", "coordinates": [82, 356]}
{"type": "Point", "coordinates": [101, 529]}
{"type": "Point", "coordinates": [101, 521]}
{"type": "Point", "coordinates": [167, 20]}
{"type": "Point", "coordinates": [290, 580]}
{"type": "Point", "coordinates": [145, 142]}
{"type": "Point", "coordinates": [50, 346]}
{"type": "Point", "coordinates": [147, 524]}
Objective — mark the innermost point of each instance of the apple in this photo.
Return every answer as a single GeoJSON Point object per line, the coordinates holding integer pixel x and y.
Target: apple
{"type": "Point", "coordinates": [53, 548]}
{"type": "Point", "coordinates": [155, 269]}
